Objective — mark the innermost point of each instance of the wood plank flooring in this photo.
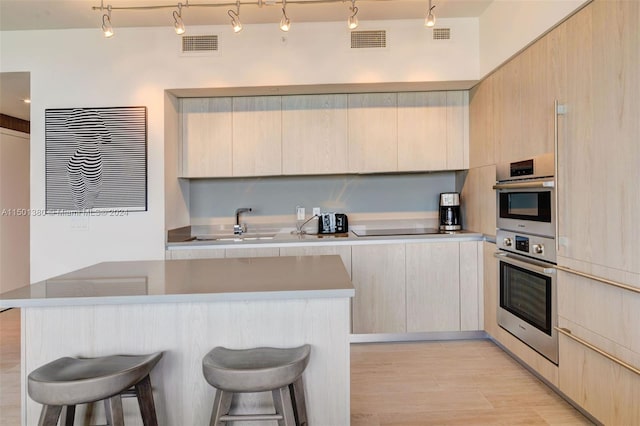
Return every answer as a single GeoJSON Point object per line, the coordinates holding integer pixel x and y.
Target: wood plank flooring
{"type": "Point", "coordinates": [466, 382]}
{"type": "Point", "coordinates": [469, 382]}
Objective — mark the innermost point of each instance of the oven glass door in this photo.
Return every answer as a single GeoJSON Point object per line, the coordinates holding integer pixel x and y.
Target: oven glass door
{"type": "Point", "coordinates": [526, 205]}
{"type": "Point", "coordinates": [527, 295]}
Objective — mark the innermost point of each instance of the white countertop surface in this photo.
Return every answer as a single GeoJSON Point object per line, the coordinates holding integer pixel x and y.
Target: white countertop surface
{"type": "Point", "coordinates": [201, 280]}
{"type": "Point", "coordinates": [284, 237]}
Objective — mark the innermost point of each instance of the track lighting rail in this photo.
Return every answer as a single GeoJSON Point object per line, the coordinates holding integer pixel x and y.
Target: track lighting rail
{"type": "Point", "coordinates": [352, 21]}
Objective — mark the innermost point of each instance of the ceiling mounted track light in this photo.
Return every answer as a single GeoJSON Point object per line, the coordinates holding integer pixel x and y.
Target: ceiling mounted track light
{"type": "Point", "coordinates": [107, 28]}
{"type": "Point", "coordinates": [235, 18]}
{"type": "Point", "coordinates": [178, 24]}
{"type": "Point", "coordinates": [285, 23]}
{"type": "Point", "coordinates": [352, 22]}
{"type": "Point", "coordinates": [430, 20]}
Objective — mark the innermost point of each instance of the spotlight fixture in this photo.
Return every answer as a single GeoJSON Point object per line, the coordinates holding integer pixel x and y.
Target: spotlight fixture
{"type": "Point", "coordinates": [107, 28]}
{"type": "Point", "coordinates": [430, 20]}
{"type": "Point", "coordinates": [178, 24]}
{"type": "Point", "coordinates": [235, 18]}
{"type": "Point", "coordinates": [352, 22]}
{"type": "Point", "coordinates": [285, 23]}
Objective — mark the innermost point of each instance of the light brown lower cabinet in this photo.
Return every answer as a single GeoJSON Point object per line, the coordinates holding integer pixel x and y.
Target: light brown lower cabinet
{"type": "Point", "coordinates": [606, 390]}
{"type": "Point", "coordinates": [378, 275]}
{"type": "Point", "coordinates": [433, 287]}
{"type": "Point", "coordinates": [416, 287]}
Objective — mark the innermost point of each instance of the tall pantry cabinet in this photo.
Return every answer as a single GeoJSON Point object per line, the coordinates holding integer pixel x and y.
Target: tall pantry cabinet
{"type": "Point", "coordinates": [591, 65]}
{"type": "Point", "coordinates": [599, 203]}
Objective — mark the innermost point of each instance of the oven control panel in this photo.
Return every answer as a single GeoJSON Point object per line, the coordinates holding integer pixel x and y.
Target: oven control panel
{"type": "Point", "coordinates": [541, 248]}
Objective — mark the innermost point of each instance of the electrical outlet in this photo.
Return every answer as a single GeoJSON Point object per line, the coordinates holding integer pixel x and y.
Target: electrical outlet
{"type": "Point", "coordinates": [79, 223]}
{"type": "Point", "coordinates": [300, 213]}
{"type": "Point", "coordinates": [316, 211]}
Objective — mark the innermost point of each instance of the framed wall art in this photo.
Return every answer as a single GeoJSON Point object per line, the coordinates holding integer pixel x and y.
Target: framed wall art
{"type": "Point", "coordinates": [96, 159]}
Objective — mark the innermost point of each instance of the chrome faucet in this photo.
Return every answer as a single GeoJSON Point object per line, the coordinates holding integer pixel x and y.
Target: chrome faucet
{"type": "Point", "coordinates": [237, 228]}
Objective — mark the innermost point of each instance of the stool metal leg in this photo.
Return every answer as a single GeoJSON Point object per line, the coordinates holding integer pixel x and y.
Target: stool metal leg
{"type": "Point", "coordinates": [282, 402]}
{"type": "Point", "coordinates": [299, 402]}
{"type": "Point", "coordinates": [144, 393]}
{"type": "Point", "coordinates": [113, 409]}
{"type": "Point", "coordinates": [68, 415]}
{"type": "Point", "coordinates": [221, 406]}
{"type": "Point", "coordinates": [49, 415]}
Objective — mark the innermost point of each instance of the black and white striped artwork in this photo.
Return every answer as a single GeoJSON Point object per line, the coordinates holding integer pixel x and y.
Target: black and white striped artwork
{"type": "Point", "coordinates": [96, 159]}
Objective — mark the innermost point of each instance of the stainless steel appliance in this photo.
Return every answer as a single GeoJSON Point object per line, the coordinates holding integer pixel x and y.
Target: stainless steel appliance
{"type": "Point", "coordinates": [526, 221]}
{"type": "Point", "coordinates": [525, 196]}
{"type": "Point", "coordinates": [527, 306]}
{"type": "Point", "coordinates": [450, 211]}
{"type": "Point", "coordinates": [333, 223]}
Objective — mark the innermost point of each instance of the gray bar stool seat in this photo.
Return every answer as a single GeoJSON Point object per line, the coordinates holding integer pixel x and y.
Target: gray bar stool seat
{"type": "Point", "coordinates": [71, 381]}
{"type": "Point", "coordinates": [278, 370]}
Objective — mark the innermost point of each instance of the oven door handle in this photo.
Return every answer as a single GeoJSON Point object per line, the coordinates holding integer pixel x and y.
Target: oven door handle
{"type": "Point", "coordinates": [525, 185]}
{"type": "Point", "coordinates": [524, 264]}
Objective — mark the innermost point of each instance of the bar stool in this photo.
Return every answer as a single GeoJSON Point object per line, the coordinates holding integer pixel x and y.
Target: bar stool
{"type": "Point", "coordinates": [258, 370]}
{"type": "Point", "coordinates": [71, 381]}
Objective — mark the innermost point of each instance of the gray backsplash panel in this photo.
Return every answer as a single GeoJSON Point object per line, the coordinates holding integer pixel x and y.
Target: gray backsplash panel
{"type": "Point", "coordinates": [336, 193]}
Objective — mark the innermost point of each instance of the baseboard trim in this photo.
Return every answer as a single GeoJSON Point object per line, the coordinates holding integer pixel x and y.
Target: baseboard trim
{"type": "Point", "coordinates": [417, 337]}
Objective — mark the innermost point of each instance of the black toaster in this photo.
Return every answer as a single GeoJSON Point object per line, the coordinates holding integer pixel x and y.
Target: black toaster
{"type": "Point", "coordinates": [332, 223]}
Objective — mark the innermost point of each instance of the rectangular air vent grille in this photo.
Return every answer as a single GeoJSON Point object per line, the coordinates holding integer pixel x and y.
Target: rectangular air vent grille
{"type": "Point", "coordinates": [441, 33]}
{"type": "Point", "coordinates": [368, 39]}
{"type": "Point", "coordinates": [200, 43]}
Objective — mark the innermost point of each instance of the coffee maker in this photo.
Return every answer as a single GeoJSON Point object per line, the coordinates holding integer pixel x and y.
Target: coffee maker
{"type": "Point", "coordinates": [450, 211]}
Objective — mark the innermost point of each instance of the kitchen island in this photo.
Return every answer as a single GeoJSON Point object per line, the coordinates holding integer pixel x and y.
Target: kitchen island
{"type": "Point", "coordinates": [185, 308]}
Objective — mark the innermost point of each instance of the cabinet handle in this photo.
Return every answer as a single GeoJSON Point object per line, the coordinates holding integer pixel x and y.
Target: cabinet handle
{"type": "Point", "coordinates": [607, 355]}
{"type": "Point", "coordinates": [558, 109]}
{"type": "Point", "coordinates": [524, 185]}
{"type": "Point", "coordinates": [599, 279]}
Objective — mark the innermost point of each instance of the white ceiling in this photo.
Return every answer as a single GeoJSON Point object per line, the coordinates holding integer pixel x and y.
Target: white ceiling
{"type": "Point", "coordinates": [65, 14]}
{"type": "Point", "coordinates": [59, 14]}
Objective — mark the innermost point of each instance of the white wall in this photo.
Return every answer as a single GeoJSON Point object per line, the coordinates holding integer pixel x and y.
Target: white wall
{"type": "Point", "coordinates": [506, 26]}
{"type": "Point", "coordinates": [79, 68]}
{"type": "Point", "coordinates": [14, 208]}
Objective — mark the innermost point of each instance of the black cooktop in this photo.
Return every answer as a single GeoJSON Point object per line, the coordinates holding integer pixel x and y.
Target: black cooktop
{"type": "Point", "coordinates": [387, 232]}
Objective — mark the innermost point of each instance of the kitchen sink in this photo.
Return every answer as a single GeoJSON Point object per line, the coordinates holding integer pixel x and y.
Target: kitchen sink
{"type": "Point", "coordinates": [233, 237]}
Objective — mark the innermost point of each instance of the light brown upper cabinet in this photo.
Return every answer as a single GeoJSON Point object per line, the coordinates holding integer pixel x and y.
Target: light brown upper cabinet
{"type": "Point", "coordinates": [481, 124]}
{"type": "Point", "coordinates": [257, 135]}
{"type": "Point", "coordinates": [314, 134]}
{"type": "Point", "coordinates": [206, 137]}
{"type": "Point", "coordinates": [325, 134]}
{"type": "Point", "coordinates": [373, 132]}
{"type": "Point", "coordinates": [433, 131]}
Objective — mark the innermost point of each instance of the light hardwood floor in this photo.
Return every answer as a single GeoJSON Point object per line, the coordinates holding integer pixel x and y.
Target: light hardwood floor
{"type": "Point", "coordinates": [454, 383]}
{"type": "Point", "coordinates": [466, 382]}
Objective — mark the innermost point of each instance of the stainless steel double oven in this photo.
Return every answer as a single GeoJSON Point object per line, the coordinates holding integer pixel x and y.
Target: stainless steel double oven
{"type": "Point", "coordinates": [526, 238]}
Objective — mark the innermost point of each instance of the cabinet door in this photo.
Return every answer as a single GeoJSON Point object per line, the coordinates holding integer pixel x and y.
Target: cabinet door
{"type": "Point", "coordinates": [208, 253]}
{"type": "Point", "coordinates": [257, 133]}
{"type": "Point", "coordinates": [600, 155]}
{"type": "Point", "coordinates": [252, 252]}
{"type": "Point", "coordinates": [605, 389]}
{"type": "Point", "coordinates": [206, 137]}
{"type": "Point", "coordinates": [343, 251]}
{"type": "Point", "coordinates": [433, 287]}
{"type": "Point", "coordinates": [482, 120]}
{"type": "Point", "coordinates": [378, 275]}
{"type": "Point", "coordinates": [422, 131]}
{"type": "Point", "coordinates": [373, 132]}
{"type": "Point", "coordinates": [314, 134]}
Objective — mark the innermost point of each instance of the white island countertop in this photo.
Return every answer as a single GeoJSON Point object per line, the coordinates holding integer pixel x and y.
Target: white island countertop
{"type": "Point", "coordinates": [201, 280]}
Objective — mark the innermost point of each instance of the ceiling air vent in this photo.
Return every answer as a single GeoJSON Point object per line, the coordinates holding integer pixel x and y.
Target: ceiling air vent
{"type": "Point", "coordinates": [441, 33]}
{"type": "Point", "coordinates": [368, 39]}
{"type": "Point", "coordinates": [200, 43]}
